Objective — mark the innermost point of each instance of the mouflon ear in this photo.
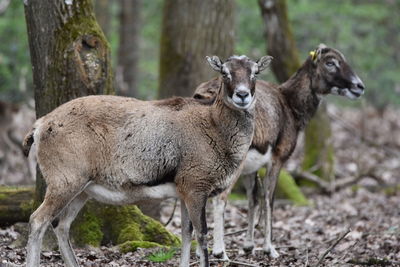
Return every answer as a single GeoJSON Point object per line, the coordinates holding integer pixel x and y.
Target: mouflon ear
{"type": "Point", "coordinates": [316, 54]}
{"type": "Point", "coordinates": [215, 63]}
{"type": "Point", "coordinates": [321, 46]}
{"type": "Point", "coordinates": [263, 63]}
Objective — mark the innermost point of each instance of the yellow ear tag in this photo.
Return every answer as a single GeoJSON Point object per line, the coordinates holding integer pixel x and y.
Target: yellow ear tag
{"type": "Point", "coordinates": [313, 55]}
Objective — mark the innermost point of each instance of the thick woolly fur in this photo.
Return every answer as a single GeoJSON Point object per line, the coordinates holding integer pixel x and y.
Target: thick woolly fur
{"type": "Point", "coordinates": [123, 143]}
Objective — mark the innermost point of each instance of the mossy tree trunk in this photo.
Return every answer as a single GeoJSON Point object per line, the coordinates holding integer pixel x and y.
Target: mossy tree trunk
{"type": "Point", "coordinates": [71, 58]}
{"type": "Point", "coordinates": [280, 40]}
{"type": "Point", "coordinates": [281, 45]}
{"type": "Point", "coordinates": [191, 30]}
{"type": "Point", "coordinates": [128, 51]}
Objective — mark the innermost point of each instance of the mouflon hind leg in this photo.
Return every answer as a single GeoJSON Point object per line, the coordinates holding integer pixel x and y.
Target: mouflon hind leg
{"type": "Point", "coordinates": [187, 229]}
{"type": "Point", "coordinates": [55, 200]}
{"type": "Point", "coordinates": [270, 182]}
{"type": "Point", "coordinates": [62, 225]}
{"type": "Point", "coordinates": [251, 184]}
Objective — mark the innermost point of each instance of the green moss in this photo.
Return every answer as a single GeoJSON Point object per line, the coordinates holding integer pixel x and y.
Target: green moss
{"type": "Point", "coordinates": [87, 229]}
{"type": "Point", "coordinates": [103, 224]}
{"type": "Point", "coordinates": [130, 232]}
{"type": "Point", "coordinates": [27, 207]}
{"type": "Point", "coordinates": [262, 172]}
{"type": "Point", "coordinates": [2, 196]}
{"type": "Point", "coordinates": [15, 189]}
{"type": "Point", "coordinates": [287, 188]}
{"type": "Point", "coordinates": [290, 189]}
{"type": "Point", "coordinates": [154, 231]}
{"type": "Point", "coordinates": [236, 196]}
{"type": "Point", "coordinates": [194, 245]}
{"type": "Point", "coordinates": [131, 246]}
{"type": "Point", "coordinates": [129, 223]}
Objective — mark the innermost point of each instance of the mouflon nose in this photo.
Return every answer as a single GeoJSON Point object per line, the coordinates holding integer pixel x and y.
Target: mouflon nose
{"type": "Point", "coordinates": [357, 83]}
{"type": "Point", "coordinates": [360, 85]}
{"type": "Point", "coordinates": [242, 94]}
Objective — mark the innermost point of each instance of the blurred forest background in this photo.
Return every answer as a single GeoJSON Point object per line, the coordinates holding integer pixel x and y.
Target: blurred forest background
{"type": "Point", "coordinates": [360, 141]}
{"type": "Point", "coordinates": [366, 31]}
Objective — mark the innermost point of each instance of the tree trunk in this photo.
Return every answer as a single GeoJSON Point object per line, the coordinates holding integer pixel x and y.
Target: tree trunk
{"type": "Point", "coordinates": [280, 41]}
{"type": "Point", "coordinates": [69, 54]}
{"type": "Point", "coordinates": [128, 51]}
{"type": "Point", "coordinates": [102, 9]}
{"type": "Point", "coordinates": [191, 30]}
{"type": "Point", "coordinates": [281, 45]}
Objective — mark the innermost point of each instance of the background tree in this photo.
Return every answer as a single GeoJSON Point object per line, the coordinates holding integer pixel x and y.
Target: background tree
{"type": "Point", "coordinates": [318, 152]}
{"type": "Point", "coordinates": [128, 51]}
{"type": "Point", "coordinates": [191, 30]}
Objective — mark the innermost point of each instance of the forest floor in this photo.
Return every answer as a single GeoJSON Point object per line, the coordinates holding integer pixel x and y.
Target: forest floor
{"type": "Point", "coordinates": [367, 148]}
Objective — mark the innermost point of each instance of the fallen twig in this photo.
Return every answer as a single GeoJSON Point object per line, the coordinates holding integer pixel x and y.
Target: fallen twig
{"type": "Point", "coordinates": [322, 257]}
{"type": "Point", "coordinates": [307, 263]}
{"type": "Point", "coordinates": [172, 213]}
{"type": "Point", "coordinates": [334, 185]}
{"type": "Point", "coordinates": [236, 232]}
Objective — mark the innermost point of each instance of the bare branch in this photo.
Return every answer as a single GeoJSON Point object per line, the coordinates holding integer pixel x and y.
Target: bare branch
{"type": "Point", "coordinates": [332, 247]}
{"type": "Point", "coordinates": [172, 213]}
{"type": "Point", "coordinates": [337, 184]}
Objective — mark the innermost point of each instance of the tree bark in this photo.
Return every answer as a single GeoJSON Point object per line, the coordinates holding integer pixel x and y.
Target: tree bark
{"type": "Point", "coordinates": [281, 45]}
{"type": "Point", "coordinates": [191, 30]}
{"type": "Point", "coordinates": [280, 41]}
{"type": "Point", "coordinates": [69, 54]}
{"type": "Point", "coordinates": [128, 51]}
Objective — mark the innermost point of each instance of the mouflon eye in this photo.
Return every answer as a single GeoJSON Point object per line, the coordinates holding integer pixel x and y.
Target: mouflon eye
{"type": "Point", "coordinates": [330, 64]}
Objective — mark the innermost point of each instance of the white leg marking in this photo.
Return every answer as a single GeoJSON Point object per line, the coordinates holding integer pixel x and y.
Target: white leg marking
{"type": "Point", "coordinates": [218, 212]}
{"type": "Point", "coordinates": [268, 247]}
{"type": "Point", "coordinates": [187, 229]}
{"type": "Point", "coordinates": [250, 183]}
{"type": "Point", "coordinates": [62, 229]}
